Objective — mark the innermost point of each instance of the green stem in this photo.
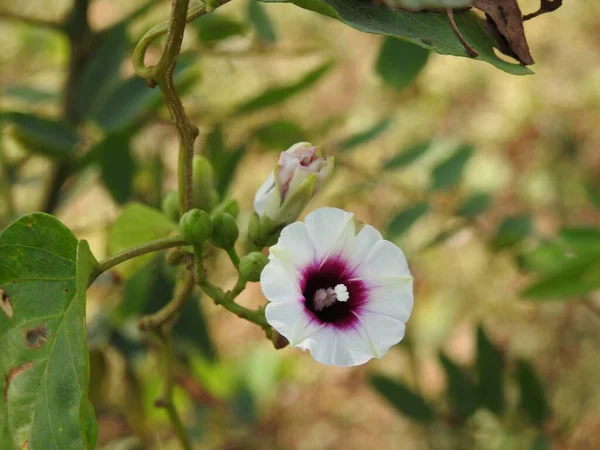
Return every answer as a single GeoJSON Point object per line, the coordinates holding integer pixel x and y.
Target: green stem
{"type": "Point", "coordinates": [226, 300]}
{"type": "Point", "coordinates": [233, 256]}
{"type": "Point", "coordinates": [142, 249]}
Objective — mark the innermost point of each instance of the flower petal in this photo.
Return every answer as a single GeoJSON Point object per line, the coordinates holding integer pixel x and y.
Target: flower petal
{"type": "Point", "coordinates": [394, 299]}
{"type": "Point", "coordinates": [278, 284]}
{"type": "Point", "coordinates": [385, 261]}
{"type": "Point", "coordinates": [294, 247]}
{"type": "Point", "coordinates": [334, 346]}
{"type": "Point", "coordinates": [292, 321]}
{"type": "Point", "coordinates": [363, 243]}
{"type": "Point", "coordinates": [331, 229]}
{"type": "Point", "coordinates": [381, 331]}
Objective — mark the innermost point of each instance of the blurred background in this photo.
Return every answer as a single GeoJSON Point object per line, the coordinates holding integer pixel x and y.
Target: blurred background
{"type": "Point", "coordinates": [489, 182]}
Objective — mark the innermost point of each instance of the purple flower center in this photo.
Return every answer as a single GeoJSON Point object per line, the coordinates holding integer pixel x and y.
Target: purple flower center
{"type": "Point", "coordinates": [327, 275]}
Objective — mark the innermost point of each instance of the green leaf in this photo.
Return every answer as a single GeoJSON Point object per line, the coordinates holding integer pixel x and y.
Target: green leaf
{"type": "Point", "coordinates": [132, 99]}
{"type": "Point", "coordinates": [213, 28]}
{"type": "Point", "coordinates": [441, 237]}
{"type": "Point", "coordinates": [511, 231]}
{"type": "Point", "coordinates": [404, 400]}
{"type": "Point", "coordinates": [102, 72]}
{"type": "Point", "coordinates": [44, 136]}
{"type": "Point", "coordinates": [364, 136]}
{"type": "Point", "coordinates": [406, 219]}
{"type": "Point", "coordinates": [407, 157]}
{"type": "Point", "coordinates": [448, 173]}
{"type": "Point", "coordinates": [117, 166]}
{"type": "Point", "coordinates": [400, 62]}
{"type": "Point", "coordinates": [31, 94]}
{"type": "Point", "coordinates": [280, 135]}
{"type": "Point", "coordinates": [474, 205]}
{"type": "Point", "coordinates": [533, 400]}
{"type": "Point", "coordinates": [574, 277]}
{"type": "Point", "coordinates": [490, 371]}
{"type": "Point", "coordinates": [440, 4]}
{"type": "Point", "coordinates": [430, 30]}
{"type": "Point", "coordinates": [461, 389]}
{"type": "Point", "coordinates": [278, 95]}
{"type": "Point", "coordinates": [136, 225]}
{"type": "Point", "coordinates": [44, 274]}
{"type": "Point", "coordinates": [545, 258]}
{"type": "Point", "coordinates": [580, 238]}
{"type": "Point", "coordinates": [258, 17]}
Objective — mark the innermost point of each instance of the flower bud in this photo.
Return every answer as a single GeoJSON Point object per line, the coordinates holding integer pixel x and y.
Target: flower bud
{"type": "Point", "coordinates": [225, 230]}
{"type": "Point", "coordinates": [252, 265]}
{"type": "Point", "coordinates": [296, 178]}
{"type": "Point", "coordinates": [203, 182]}
{"type": "Point", "coordinates": [195, 227]}
{"type": "Point", "coordinates": [170, 205]}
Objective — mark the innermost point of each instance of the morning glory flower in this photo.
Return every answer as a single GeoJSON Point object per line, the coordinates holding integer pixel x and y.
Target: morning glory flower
{"type": "Point", "coordinates": [337, 289]}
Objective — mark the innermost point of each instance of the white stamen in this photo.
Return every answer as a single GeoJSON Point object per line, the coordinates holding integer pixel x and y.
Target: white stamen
{"type": "Point", "coordinates": [326, 297]}
{"type": "Point", "coordinates": [341, 293]}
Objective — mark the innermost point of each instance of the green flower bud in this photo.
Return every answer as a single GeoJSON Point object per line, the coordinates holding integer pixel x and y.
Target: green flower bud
{"type": "Point", "coordinates": [170, 205]}
{"type": "Point", "coordinates": [252, 265]}
{"type": "Point", "coordinates": [203, 182]}
{"type": "Point", "coordinates": [229, 206]}
{"type": "Point", "coordinates": [225, 230]}
{"type": "Point", "coordinates": [195, 227]}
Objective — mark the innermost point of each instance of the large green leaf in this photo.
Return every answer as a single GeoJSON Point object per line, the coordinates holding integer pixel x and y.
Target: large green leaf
{"type": "Point", "coordinates": [489, 368]}
{"type": "Point", "coordinates": [213, 28]}
{"type": "Point", "coordinates": [400, 62]}
{"type": "Point", "coordinates": [137, 224]}
{"type": "Point", "coordinates": [404, 400]}
{"type": "Point", "coordinates": [45, 136]}
{"type": "Point", "coordinates": [406, 219]}
{"type": "Point", "coordinates": [461, 389]}
{"type": "Point", "coordinates": [427, 29]}
{"type": "Point", "coordinates": [278, 95]}
{"type": "Point", "coordinates": [280, 134]}
{"type": "Point", "coordinates": [44, 274]}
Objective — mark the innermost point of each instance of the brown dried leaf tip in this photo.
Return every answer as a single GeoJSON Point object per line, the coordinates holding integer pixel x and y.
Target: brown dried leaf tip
{"type": "Point", "coordinates": [12, 373]}
{"type": "Point", "coordinates": [35, 337]}
{"type": "Point", "coordinates": [5, 304]}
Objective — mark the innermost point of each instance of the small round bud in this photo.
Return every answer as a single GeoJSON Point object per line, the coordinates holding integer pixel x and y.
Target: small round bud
{"type": "Point", "coordinates": [252, 265]}
{"type": "Point", "coordinates": [195, 226]}
{"type": "Point", "coordinates": [170, 205]}
{"type": "Point", "coordinates": [225, 230]}
{"type": "Point", "coordinates": [203, 182]}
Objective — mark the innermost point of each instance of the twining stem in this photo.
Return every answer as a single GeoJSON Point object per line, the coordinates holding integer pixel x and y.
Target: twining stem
{"type": "Point", "coordinates": [142, 249]}
{"type": "Point", "coordinates": [161, 74]}
{"type": "Point", "coordinates": [169, 312]}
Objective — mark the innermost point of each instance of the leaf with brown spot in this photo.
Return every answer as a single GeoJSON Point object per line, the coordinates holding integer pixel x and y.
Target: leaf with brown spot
{"type": "Point", "coordinates": [505, 22]}
{"type": "Point", "coordinates": [44, 271]}
{"type": "Point", "coordinates": [5, 303]}
{"type": "Point", "coordinates": [12, 373]}
{"type": "Point", "coordinates": [35, 337]}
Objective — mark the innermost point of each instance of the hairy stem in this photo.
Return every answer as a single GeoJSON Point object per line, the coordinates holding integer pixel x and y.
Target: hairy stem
{"type": "Point", "coordinates": [142, 249]}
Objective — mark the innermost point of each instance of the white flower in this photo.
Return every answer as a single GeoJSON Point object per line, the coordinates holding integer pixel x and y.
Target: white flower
{"type": "Point", "coordinates": [340, 292]}
{"type": "Point", "coordinates": [296, 178]}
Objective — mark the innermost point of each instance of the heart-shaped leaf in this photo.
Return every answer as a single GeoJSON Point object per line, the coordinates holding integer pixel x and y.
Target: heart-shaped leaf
{"type": "Point", "coordinates": [44, 274]}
